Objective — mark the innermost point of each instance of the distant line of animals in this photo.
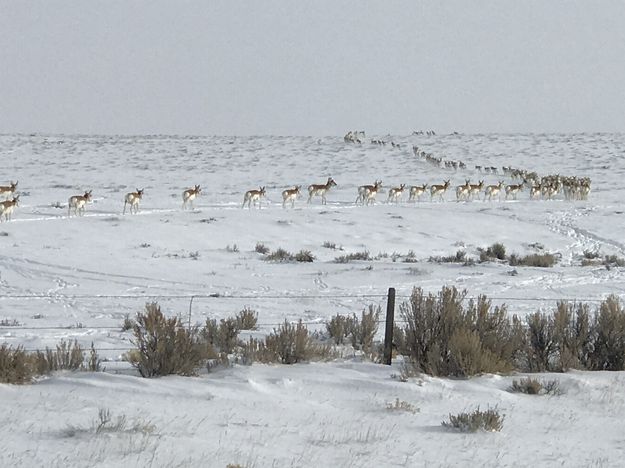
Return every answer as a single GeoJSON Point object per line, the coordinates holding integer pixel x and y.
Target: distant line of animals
{"type": "Point", "coordinates": [549, 186]}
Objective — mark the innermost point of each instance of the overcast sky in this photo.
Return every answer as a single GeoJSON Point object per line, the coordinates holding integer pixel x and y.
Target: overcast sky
{"type": "Point", "coordinates": [317, 67]}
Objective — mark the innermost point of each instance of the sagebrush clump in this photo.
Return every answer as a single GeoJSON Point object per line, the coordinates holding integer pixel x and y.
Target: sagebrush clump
{"type": "Point", "coordinates": [489, 420]}
{"type": "Point", "coordinates": [444, 337]}
{"type": "Point", "coordinates": [165, 346]}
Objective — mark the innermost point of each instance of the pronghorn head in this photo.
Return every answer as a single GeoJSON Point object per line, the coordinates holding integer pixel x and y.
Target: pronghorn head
{"type": "Point", "coordinates": [402, 186]}
{"type": "Point", "coordinates": [297, 189]}
{"type": "Point", "coordinates": [197, 189]}
{"type": "Point", "coordinates": [446, 183]}
{"type": "Point", "coordinates": [13, 186]}
{"type": "Point", "coordinates": [16, 200]}
{"type": "Point", "coordinates": [87, 195]}
{"type": "Point", "coordinates": [261, 191]}
{"type": "Point", "coordinates": [425, 186]}
{"type": "Point", "coordinates": [140, 193]}
{"type": "Point", "coordinates": [467, 182]}
{"type": "Point", "coordinates": [331, 182]}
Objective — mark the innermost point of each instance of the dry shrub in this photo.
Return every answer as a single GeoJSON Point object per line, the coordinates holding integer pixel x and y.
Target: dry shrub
{"type": "Point", "coordinates": [247, 319]}
{"type": "Point", "coordinates": [362, 332]}
{"type": "Point", "coordinates": [280, 255]}
{"type": "Point", "coordinates": [400, 405]}
{"type": "Point", "coordinates": [66, 356]}
{"type": "Point", "coordinates": [560, 341]}
{"type": "Point", "coordinates": [225, 336]}
{"type": "Point", "coordinates": [531, 386]}
{"type": "Point", "coordinates": [304, 256]}
{"type": "Point", "coordinates": [338, 328]}
{"type": "Point", "coordinates": [128, 323]}
{"type": "Point", "coordinates": [364, 255]}
{"type": "Point", "coordinates": [608, 351]}
{"type": "Point", "coordinates": [459, 257]}
{"type": "Point", "coordinates": [288, 344]}
{"type": "Point", "coordinates": [261, 248]}
{"type": "Point", "coordinates": [16, 366]}
{"type": "Point", "coordinates": [495, 251]}
{"type": "Point", "coordinates": [545, 260]}
{"type": "Point", "coordinates": [443, 337]}
{"type": "Point", "coordinates": [489, 420]}
{"type": "Point", "coordinates": [164, 346]}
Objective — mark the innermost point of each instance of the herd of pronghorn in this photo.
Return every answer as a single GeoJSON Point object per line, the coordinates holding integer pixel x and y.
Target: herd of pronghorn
{"type": "Point", "coordinates": [546, 187]}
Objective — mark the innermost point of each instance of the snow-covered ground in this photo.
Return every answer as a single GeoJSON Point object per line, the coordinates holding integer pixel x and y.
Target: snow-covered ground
{"type": "Point", "coordinates": [79, 277]}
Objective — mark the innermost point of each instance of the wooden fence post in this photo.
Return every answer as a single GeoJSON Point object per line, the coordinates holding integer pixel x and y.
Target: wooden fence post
{"type": "Point", "coordinates": [388, 333]}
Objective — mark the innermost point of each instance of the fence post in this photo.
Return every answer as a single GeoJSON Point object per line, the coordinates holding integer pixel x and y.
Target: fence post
{"type": "Point", "coordinates": [388, 333]}
{"type": "Point", "coordinates": [190, 310]}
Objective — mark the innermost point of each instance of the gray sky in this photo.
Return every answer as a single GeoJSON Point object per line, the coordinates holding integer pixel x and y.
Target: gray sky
{"type": "Point", "coordinates": [317, 67]}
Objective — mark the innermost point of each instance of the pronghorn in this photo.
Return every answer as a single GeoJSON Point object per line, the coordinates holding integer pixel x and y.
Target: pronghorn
{"type": "Point", "coordinates": [320, 189]}
{"type": "Point", "coordinates": [513, 189]}
{"type": "Point", "coordinates": [535, 191]}
{"type": "Point", "coordinates": [463, 191]}
{"type": "Point", "coordinates": [133, 199]}
{"type": "Point", "coordinates": [371, 193]}
{"type": "Point", "coordinates": [439, 190]}
{"type": "Point", "coordinates": [189, 195]}
{"type": "Point", "coordinates": [395, 193]}
{"type": "Point", "coordinates": [8, 190]}
{"type": "Point", "coordinates": [77, 203]}
{"type": "Point", "coordinates": [493, 191]}
{"type": "Point", "coordinates": [290, 195]}
{"type": "Point", "coordinates": [253, 196]}
{"type": "Point", "coordinates": [475, 189]}
{"type": "Point", "coordinates": [363, 191]}
{"type": "Point", "coordinates": [7, 207]}
{"type": "Point", "coordinates": [416, 191]}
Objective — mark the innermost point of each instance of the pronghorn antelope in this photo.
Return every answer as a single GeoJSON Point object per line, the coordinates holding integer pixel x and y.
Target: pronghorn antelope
{"type": "Point", "coordinates": [371, 193]}
{"type": "Point", "coordinates": [513, 189]}
{"type": "Point", "coordinates": [493, 191]}
{"type": "Point", "coordinates": [253, 196]}
{"type": "Point", "coordinates": [290, 195]}
{"type": "Point", "coordinates": [535, 191]}
{"type": "Point", "coordinates": [133, 199]}
{"type": "Point", "coordinates": [395, 193]}
{"type": "Point", "coordinates": [364, 190]}
{"type": "Point", "coordinates": [8, 190]}
{"type": "Point", "coordinates": [475, 189]}
{"type": "Point", "coordinates": [7, 207]}
{"type": "Point", "coordinates": [320, 189]}
{"type": "Point", "coordinates": [439, 190]}
{"type": "Point", "coordinates": [416, 191]}
{"type": "Point", "coordinates": [189, 195]}
{"type": "Point", "coordinates": [463, 191]}
{"type": "Point", "coordinates": [77, 203]}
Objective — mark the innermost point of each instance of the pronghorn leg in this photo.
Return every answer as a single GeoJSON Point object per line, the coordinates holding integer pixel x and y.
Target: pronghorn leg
{"type": "Point", "coordinates": [124, 212]}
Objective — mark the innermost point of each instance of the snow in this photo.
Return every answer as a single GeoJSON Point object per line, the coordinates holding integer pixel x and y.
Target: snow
{"type": "Point", "coordinates": [78, 278]}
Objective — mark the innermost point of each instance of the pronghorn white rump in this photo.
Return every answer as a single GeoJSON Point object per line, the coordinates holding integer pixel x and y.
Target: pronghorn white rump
{"type": "Point", "coordinates": [133, 199]}
{"type": "Point", "coordinates": [395, 193]}
{"type": "Point", "coordinates": [290, 195]}
{"type": "Point", "coordinates": [367, 193]}
{"type": "Point", "coordinates": [439, 190]}
{"type": "Point", "coordinates": [7, 207]}
{"type": "Point", "coordinates": [8, 190]}
{"type": "Point", "coordinates": [77, 203]}
{"type": "Point", "coordinates": [416, 191]}
{"type": "Point", "coordinates": [493, 191]}
{"type": "Point", "coordinates": [320, 190]}
{"type": "Point", "coordinates": [189, 195]}
{"type": "Point", "coordinates": [253, 197]}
